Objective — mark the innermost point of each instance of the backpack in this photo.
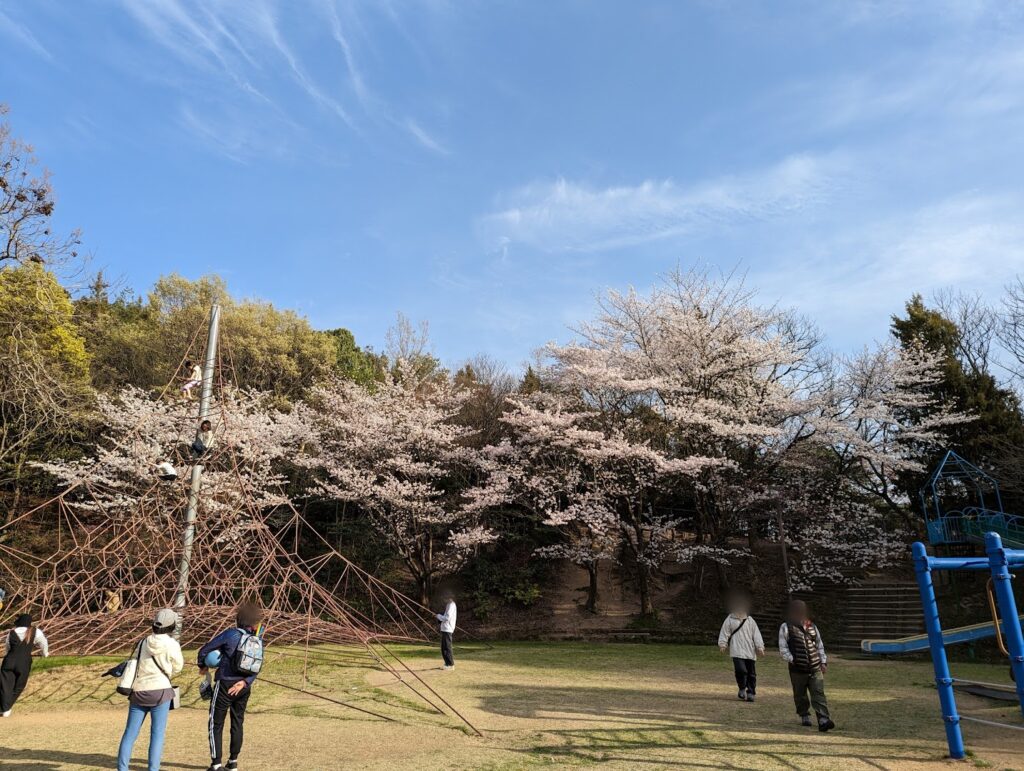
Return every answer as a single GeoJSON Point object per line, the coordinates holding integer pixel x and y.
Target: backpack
{"type": "Point", "coordinates": [248, 659]}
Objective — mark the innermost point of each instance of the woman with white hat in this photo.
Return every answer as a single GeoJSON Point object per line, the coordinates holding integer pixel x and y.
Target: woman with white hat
{"type": "Point", "coordinates": [157, 659]}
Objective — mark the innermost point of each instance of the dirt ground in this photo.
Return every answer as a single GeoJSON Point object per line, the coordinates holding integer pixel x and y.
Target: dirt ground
{"type": "Point", "coordinates": [558, 705]}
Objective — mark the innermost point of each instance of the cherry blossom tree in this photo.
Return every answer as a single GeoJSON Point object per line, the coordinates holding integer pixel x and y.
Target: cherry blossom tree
{"type": "Point", "coordinates": [549, 475]}
{"type": "Point", "coordinates": [880, 416]}
{"type": "Point", "coordinates": [254, 446]}
{"type": "Point", "coordinates": [397, 451]}
{"type": "Point", "coordinates": [697, 415]}
{"type": "Point", "coordinates": [677, 389]}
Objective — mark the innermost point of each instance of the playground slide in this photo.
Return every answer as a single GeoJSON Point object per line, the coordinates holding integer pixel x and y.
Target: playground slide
{"type": "Point", "coordinates": [919, 642]}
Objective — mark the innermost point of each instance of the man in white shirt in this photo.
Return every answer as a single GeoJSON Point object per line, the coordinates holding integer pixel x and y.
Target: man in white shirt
{"type": "Point", "coordinates": [447, 621]}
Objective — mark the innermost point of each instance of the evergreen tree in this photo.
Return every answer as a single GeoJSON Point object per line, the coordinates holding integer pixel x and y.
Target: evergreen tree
{"type": "Point", "coordinates": [968, 389]}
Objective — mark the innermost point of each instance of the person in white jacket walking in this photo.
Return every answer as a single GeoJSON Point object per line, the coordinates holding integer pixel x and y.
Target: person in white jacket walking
{"type": "Point", "coordinates": [741, 639]}
{"type": "Point", "coordinates": [447, 621]}
{"type": "Point", "coordinates": [159, 659]}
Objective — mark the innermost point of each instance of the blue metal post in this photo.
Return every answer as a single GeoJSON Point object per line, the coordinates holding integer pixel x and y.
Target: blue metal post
{"type": "Point", "coordinates": [1001, 583]}
{"type": "Point", "coordinates": [943, 679]}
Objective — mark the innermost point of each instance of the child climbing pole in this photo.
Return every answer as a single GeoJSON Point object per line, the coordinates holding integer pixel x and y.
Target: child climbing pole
{"type": "Point", "coordinates": [204, 439]}
{"type": "Point", "coordinates": [193, 379]}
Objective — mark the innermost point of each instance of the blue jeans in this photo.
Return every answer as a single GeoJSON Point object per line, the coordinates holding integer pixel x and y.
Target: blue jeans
{"type": "Point", "coordinates": [157, 728]}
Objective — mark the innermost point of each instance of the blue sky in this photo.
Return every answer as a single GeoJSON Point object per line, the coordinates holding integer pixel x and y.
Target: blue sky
{"type": "Point", "coordinates": [490, 166]}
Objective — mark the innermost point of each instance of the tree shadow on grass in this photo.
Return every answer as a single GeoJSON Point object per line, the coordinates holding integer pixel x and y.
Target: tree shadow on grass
{"type": "Point", "coordinates": [42, 760]}
{"type": "Point", "coordinates": [643, 704]}
{"type": "Point", "coordinates": [637, 725]}
{"type": "Point", "coordinates": [645, 745]}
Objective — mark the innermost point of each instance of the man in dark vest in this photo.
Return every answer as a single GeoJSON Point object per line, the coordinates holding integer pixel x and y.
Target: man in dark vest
{"type": "Point", "coordinates": [802, 648]}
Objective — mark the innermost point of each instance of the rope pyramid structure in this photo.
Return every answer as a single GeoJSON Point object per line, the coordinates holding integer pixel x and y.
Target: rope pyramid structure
{"type": "Point", "coordinates": [115, 532]}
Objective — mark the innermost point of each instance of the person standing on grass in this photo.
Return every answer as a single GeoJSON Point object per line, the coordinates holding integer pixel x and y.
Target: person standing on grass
{"type": "Point", "coordinates": [447, 621]}
{"type": "Point", "coordinates": [741, 639]}
{"type": "Point", "coordinates": [241, 659]}
{"type": "Point", "coordinates": [17, 662]}
{"type": "Point", "coordinates": [159, 659]}
{"type": "Point", "coordinates": [802, 648]}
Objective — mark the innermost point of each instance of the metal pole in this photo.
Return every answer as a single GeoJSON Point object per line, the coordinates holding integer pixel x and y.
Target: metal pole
{"type": "Point", "coordinates": [1003, 587]}
{"type": "Point", "coordinates": [943, 679]}
{"type": "Point", "coordinates": [209, 367]}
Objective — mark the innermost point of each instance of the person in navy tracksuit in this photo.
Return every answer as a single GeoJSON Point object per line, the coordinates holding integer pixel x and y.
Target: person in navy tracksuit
{"type": "Point", "coordinates": [231, 688]}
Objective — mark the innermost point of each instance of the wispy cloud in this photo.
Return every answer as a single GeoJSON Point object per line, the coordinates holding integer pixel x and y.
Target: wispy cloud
{"type": "Point", "coordinates": [23, 35]}
{"type": "Point", "coordinates": [851, 280]}
{"type": "Point", "coordinates": [425, 139]}
{"type": "Point", "coordinates": [355, 75]}
{"type": "Point", "coordinates": [564, 215]}
{"type": "Point", "coordinates": [938, 12]}
{"type": "Point", "coordinates": [259, 54]}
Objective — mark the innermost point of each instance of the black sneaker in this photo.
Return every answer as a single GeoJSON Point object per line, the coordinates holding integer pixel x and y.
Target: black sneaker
{"type": "Point", "coordinates": [825, 725]}
{"type": "Point", "coordinates": [806, 720]}
{"type": "Point", "coordinates": [742, 695]}
{"type": "Point", "coordinates": [232, 765]}
{"type": "Point", "coordinates": [215, 767]}
{"type": "Point", "coordinates": [750, 696]}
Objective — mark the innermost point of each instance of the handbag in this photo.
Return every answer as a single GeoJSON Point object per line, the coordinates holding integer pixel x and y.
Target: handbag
{"type": "Point", "coordinates": [129, 671]}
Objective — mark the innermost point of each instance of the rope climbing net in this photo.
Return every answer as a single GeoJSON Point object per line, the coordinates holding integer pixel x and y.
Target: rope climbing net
{"type": "Point", "coordinates": [93, 563]}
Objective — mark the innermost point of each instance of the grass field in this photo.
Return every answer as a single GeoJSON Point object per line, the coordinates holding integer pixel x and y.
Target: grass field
{"type": "Point", "coordinates": [539, 705]}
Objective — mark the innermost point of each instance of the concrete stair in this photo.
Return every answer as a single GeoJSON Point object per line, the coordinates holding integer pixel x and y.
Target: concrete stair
{"type": "Point", "coordinates": [879, 611]}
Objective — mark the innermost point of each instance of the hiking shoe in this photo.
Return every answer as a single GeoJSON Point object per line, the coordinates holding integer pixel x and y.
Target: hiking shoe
{"type": "Point", "coordinates": [750, 696]}
{"type": "Point", "coordinates": [825, 725]}
{"type": "Point", "coordinates": [806, 720]}
{"type": "Point", "coordinates": [742, 695]}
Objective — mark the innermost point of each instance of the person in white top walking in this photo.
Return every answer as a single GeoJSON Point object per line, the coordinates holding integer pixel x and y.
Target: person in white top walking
{"type": "Point", "coordinates": [447, 620]}
{"type": "Point", "coordinates": [17, 663]}
{"type": "Point", "coordinates": [741, 639]}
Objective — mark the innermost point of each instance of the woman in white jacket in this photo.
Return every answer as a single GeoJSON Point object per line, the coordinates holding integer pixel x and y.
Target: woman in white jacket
{"type": "Point", "coordinates": [741, 638]}
{"type": "Point", "coordinates": [159, 659]}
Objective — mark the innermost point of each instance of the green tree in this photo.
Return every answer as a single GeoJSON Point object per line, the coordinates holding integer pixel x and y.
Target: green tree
{"type": "Point", "coordinates": [354, 363]}
{"type": "Point", "coordinates": [44, 372]}
{"type": "Point", "coordinates": [530, 383]}
{"type": "Point", "coordinates": [144, 342]}
{"type": "Point", "coordinates": [967, 385]}
{"type": "Point", "coordinates": [122, 336]}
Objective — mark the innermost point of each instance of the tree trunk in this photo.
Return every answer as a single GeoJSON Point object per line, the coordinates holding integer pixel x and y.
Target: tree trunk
{"type": "Point", "coordinates": [785, 553]}
{"type": "Point", "coordinates": [592, 589]}
{"type": "Point", "coordinates": [724, 584]}
{"type": "Point", "coordinates": [426, 590]}
{"type": "Point", "coordinates": [752, 548]}
{"type": "Point", "coordinates": [643, 580]}
{"type": "Point", "coordinates": [19, 466]}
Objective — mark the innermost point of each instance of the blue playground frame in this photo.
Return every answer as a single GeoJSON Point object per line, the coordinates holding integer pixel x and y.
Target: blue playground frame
{"type": "Point", "coordinates": [998, 561]}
